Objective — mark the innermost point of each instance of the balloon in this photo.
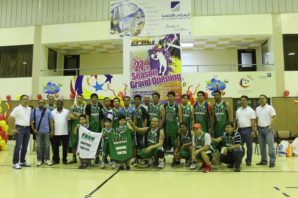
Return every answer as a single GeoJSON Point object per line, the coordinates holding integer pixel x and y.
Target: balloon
{"type": "Point", "coordinates": [2, 142]}
{"type": "Point", "coordinates": [39, 96]}
{"type": "Point", "coordinates": [8, 97]}
{"type": "Point", "coordinates": [286, 93]}
{"type": "Point", "coordinates": [4, 147]}
{"type": "Point", "coordinates": [2, 117]}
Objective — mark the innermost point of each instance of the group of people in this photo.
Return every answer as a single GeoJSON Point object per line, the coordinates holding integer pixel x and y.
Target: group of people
{"type": "Point", "coordinates": [199, 133]}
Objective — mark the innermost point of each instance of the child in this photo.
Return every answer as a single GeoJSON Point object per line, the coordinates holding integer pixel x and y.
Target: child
{"type": "Point", "coordinates": [84, 163]}
{"type": "Point", "coordinates": [105, 141]}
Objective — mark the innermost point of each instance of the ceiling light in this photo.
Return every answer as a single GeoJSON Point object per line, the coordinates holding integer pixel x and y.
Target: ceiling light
{"type": "Point", "coordinates": [291, 54]}
{"type": "Point", "coordinates": [187, 45]}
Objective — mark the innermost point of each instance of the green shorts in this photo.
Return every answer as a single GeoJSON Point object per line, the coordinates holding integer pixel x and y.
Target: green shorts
{"type": "Point", "coordinates": [152, 153]}
{"type": "Point", "coordinates": [184, 154]}
{"type": "Point", "coordinates": [199, 156]}
{"type": "Point", "coordinates": [73, 140]}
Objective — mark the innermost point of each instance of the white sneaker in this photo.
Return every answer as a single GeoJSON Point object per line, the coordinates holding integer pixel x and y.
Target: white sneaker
{"type": "Point", "coordinates": [150, 162]}
{"type": "Point", "coordinates": [38, 163]}
{"type": "Point", "coordinates": [25, 164]}
{"type": "Point", "coordinates": [16, 166]}
{"type": "Point", "coordinates": [103, 165]}
{"type": "Point", "coordinates": [161, 163]}
{"type": "Point", "coordinates": [49, 163]}
{"type": "Point", "coordinates": [192, 166]}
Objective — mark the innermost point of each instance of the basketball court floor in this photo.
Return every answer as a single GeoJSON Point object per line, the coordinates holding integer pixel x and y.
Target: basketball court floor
{"type": "Point", "coordinates": [67, 181]}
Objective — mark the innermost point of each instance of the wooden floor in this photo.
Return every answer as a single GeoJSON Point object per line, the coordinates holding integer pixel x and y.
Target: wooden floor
{"type": "Point", "coordinates": [68, 181]}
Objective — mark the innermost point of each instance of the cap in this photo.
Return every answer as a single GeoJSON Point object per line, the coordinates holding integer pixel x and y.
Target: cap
{"type": "Point", "coordinates": [197, 126]}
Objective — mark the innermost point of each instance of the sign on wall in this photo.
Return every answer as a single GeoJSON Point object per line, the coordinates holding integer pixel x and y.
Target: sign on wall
{"type": "Point", "coordinates": [150, 18]}
{"type": "Point", "coordinates": [155, 65]}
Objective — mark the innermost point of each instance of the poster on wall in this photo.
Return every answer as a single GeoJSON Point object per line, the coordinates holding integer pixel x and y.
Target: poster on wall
{"type": "Point", "coordinates": [155, 65]}
{"type": "Point", "coordinates": [150, 18]}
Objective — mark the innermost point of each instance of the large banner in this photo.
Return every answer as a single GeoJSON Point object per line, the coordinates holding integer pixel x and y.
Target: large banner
{"type": "Point", "coordinates": [150, 17]}
{"type": "Point", "coordinates": [155, 65]}
{"type": "Point", "coordinates": [88, 143]}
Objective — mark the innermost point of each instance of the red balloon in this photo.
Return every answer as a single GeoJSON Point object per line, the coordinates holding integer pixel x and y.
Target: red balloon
{"type": "Point", "coordinates": [72, 96]}
{"type": "Point", "coordinates": [2, 117]}
{"type": "Point", "coordinates": [39, 96]}
{"type": "Point", "coordinates": [286, 93]}
{"type": "Point", "coordinates": [8, 97]}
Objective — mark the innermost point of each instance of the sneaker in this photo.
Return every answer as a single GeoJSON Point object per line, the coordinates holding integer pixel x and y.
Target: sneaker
{"type": "Point", "coordinates": [207, 168]}
{"type": "Point", "coordinates": [16, 166]}
{"type": "Point", "coordinates": [49, 163]}
{"type": "Point", "coordinates": [25, 164]}
{"type": "Point", "coordinates": [135, 162]}
{"type": "Point", "coordinates": [271, 165]}
{"type": "Point", "coordinates": [127, 167]}
{"type": "Point", "coordinates": [113, 165]}
{"type": "Point", "coordinates": [262, 163]}
{"type": "Point", "coordinates": [65, 162]}
{"type": "Point", "coordinates": [237, 169]}
{"type": "Point", "coordinates": [150, 162]}
{"type": "Point", "coordinates": [83, 166]}
{"type": "Point", "coordinates": [73, 161]}
{"type": "Point", "coordinates": [103, 165]}
{"type": "Point", "coordinates": [193, 166]}
{"type": "Point", "coordinates": [175, 163]}
{"type": "Point", "coordinates": [161, 163]}
{"type": "Point", "coordinates": [38, 163]}
{"type": "Point", "coordinates": [121, 167]}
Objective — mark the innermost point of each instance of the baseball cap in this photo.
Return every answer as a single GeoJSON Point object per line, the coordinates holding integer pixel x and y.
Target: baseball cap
{"type": "Point", "coordinates": [196, 126]}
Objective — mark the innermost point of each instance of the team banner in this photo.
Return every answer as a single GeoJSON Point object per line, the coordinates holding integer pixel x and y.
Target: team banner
{"type": "Point", "coordinates": [155, 65]}
{"type": "Point", "coordinates": [150, 17]}
{"type": "Point", "coordinates": [88, 143]}
{"type": "Point", "coordinates": [120, 146]}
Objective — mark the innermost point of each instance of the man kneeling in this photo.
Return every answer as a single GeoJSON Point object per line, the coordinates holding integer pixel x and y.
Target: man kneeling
{"type": "Point", "coordinates": [154, 138]}
{"type": "Point", "coordinates": [233, 153]}
{"type": "Point", "coordinates": [202, 148]}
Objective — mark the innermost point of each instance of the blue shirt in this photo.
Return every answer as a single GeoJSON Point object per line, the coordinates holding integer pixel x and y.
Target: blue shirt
{"type": "Point", "coordinates": [45, 122]}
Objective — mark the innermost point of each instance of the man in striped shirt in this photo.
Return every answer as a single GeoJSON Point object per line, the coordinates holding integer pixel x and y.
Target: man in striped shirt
{"type": "Point", "coordinates": [233, 152]}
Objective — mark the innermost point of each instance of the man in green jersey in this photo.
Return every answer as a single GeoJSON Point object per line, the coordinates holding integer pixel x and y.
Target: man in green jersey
{"type": "Point", "coordinates": [183, 147]}
{"type": "Point", "coordinates": [201, 113]}
{"type": "Point", "coordinates": [185, 112]}
{"type": "Point", "coordinates": [171, 121]}
{"type": "Point", "coordinates": [202, 148]}
{"type": "Point", "coordinates": [153, 143]}
{"type": "Point", "coordinates": [156, 110]}
{"type": "Point", "coordinates": [106, 109]}
{"type": "Point", "coordinates": [94, 118]}
{"type": "Point", "coordinates": [77, 110]}
{"type": "Point", "coordinates": [116, 113]}
{"type": "Point", "coordinates": [127, 110]}
{"type": "Point", "coordinates": [221, 114]}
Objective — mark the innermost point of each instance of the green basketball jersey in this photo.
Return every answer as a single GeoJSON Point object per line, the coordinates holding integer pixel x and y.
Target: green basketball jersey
{"type": "Point", "coordinates": [76, 109]}
{"type": "Point", "coordinates": [186, 115]}
{"type": "Point", "coordinates": [120, 144]}
{"type": "Point", "coordinates": [105, 112]}
{"type": "Point", "coordinates": [94, 120]}
{"type": "Point", "coordinates": [185, 139]}
{"type": "Point", "coordinates": [154, 112]}
{"type": "Point", "coordinates": [116, 114]}
{"type": "Point", "coordinates": [199, 142]}
{"type": "Point", "coordinates": [139, 116]}
{"type": "Point", "coordinates": [171, 120]}
{"type": "Point", "coordinates": [152, 137]}
{"type": "Point", "coordinates": [201, 115]}
{"type": "Point", "coordinates": [221, 118]}
{"type": "Point", "coordinates": [127, 112]}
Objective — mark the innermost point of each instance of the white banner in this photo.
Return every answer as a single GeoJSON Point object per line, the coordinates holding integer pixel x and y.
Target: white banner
{"type": "Point", "coordinates": [88, 143]}
{"type": "Point", "coordinates": [150, 17]}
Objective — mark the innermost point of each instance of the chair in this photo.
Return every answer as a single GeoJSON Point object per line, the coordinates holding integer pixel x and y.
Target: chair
{"type": "Point", "coordinates": [283, 135]}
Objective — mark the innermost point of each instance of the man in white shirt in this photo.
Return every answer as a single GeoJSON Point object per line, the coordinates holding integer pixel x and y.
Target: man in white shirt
{"type": "Point", "coordinates": [60, 134]}
{"type": "Point", "coordinates": [265, 117]}
{"type": "Point", "coordinates": [20, 126]}
{"type": "Point", "coordinates": [245, 119]}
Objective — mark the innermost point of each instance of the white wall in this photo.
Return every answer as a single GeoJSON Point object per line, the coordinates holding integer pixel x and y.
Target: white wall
{"type": "Point", "coordinates": [291, 82]}
{"type": "Point", "coordinates": [15, 87]}
{"type": "Point", "coordinates": [16, 36]}
{"type": "Point", "coordinates": [102, 63]}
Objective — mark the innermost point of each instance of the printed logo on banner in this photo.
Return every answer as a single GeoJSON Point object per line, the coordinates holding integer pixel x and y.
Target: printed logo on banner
{"type": "Point", "coordinates": [175, 6]}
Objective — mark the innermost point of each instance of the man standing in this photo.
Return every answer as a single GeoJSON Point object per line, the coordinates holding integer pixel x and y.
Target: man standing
{"type": "Point", "coordinates": [265, 117]}
{"type": "Point", "coordinates": [221, 114]}
{"type": "Point", "coordinates": [77, 110]}
{"type": "Point", "coordinates": [106, 110]}
{"type": "Point", "coordinates": [51, 102]}
{"type": "Point", "coordinates": [171, 121]}
{"type": "Point", "coordinates": [94, 114]}
{"type": "Point", "coordinates": [60, 134]}
{"type": "Point", "coordinates": [245, 119]}
{"type": "Point", "coordinates": [20, 127]}
{"type": "Point", "coordinates": [127, 110]}
{"type": "Point", "coordinates": [156, 110]}
{"type": "Point", "coordinates": [185, 112]}
{"type": "Point", "coordinates": [116, 113]}
{"type": "Point", "coordinates": [42, 125]}
{"type": "Point", "coordinates": [201, 112]}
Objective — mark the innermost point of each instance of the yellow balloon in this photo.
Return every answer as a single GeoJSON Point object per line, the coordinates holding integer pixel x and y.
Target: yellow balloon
{"type": "Point", "coordinates": [4, 147]}
{"type": "Point", "coordinates": [0, 137]}
{"type": "Point", "coordinates": [2, 142]}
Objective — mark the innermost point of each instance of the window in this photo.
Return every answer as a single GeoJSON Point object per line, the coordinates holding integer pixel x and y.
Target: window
{"type": "Point", "coordinates": [290, 43]}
